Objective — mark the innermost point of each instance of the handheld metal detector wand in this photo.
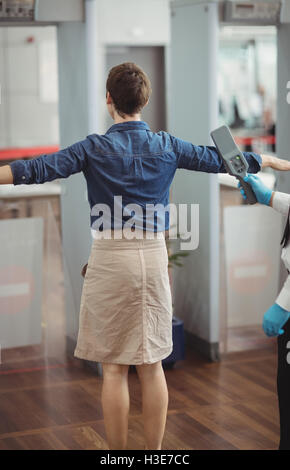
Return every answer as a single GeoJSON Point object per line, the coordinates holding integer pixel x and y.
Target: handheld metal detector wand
{"type": "Point", "coordinates": [234, 160]}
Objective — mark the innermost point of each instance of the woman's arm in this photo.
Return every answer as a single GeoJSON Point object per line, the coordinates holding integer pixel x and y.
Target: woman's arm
{"type": "Point", "coordinates": [6, 176]}
{"type": "Point", "coordinates": [47, 167]}
{"type": "Point", "coordinates": [207, 159]}
{"type": "Point", "coordinates": [275, 163]}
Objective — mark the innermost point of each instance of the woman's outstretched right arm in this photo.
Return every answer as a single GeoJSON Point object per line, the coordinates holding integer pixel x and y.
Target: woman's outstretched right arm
{"type": "Point", "coordinates": [47, 167]}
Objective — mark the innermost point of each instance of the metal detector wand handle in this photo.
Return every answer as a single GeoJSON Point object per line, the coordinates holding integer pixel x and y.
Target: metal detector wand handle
{"type": "Point", "coordinates": [250, 195]}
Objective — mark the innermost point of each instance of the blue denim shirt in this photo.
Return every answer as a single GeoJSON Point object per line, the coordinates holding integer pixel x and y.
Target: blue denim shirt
{"type": "Point", "coordinates": [129, 161]}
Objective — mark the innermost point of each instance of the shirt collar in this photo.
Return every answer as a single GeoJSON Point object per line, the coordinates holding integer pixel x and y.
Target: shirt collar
{"type": "Point", "coordinates": [129, 126]}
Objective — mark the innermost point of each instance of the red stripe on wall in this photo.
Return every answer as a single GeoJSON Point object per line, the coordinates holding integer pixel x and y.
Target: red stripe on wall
{"type": "Point", "coordinates": [13, 153]}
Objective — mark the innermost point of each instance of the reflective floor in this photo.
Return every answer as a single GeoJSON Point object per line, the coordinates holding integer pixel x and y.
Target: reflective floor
{"type": "Point", "coordinates": [228, 405]}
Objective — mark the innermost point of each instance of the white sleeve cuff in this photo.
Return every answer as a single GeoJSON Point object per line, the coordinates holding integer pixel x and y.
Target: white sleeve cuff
{"type": "Point", "coordinates": [283, 298]}
{"type": "Point", "coordinates": [281, 202]}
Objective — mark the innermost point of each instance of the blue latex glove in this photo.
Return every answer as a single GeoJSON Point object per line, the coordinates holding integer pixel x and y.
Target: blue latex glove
{"type": "Point", "coordinates": [263, 194]}
{"type": "Point", "coordinates": [274, 319]}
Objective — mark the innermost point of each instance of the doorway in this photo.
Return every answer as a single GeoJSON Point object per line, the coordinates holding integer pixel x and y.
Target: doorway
{"type": "Point", "coordinates": [151, 60]}
{"type": "Point", "coordinates": [247, 86]}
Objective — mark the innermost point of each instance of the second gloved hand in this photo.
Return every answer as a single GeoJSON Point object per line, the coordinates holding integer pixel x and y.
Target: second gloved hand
{"type": "Point", "coordinates": [274, 319]}
{"type": "Point", "coordinates": [262, 192]}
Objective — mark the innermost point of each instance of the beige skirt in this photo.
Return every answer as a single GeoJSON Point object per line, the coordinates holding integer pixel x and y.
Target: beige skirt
{"type": "Point", "coordinates": [126, 303]}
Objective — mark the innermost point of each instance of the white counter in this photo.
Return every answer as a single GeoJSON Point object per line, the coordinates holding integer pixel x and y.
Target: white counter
{"type": "Point", "coordinates": [9, 191]}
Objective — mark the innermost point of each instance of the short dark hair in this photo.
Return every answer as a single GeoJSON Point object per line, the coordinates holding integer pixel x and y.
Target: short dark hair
{"type": "Point", "coordinates": [129, 87]}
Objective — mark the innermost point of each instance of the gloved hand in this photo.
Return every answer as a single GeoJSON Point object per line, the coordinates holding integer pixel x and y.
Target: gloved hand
{"type": "Point", "coordinates": [263, 194]}
{"type": "Point", "coordinates": [274, 319]}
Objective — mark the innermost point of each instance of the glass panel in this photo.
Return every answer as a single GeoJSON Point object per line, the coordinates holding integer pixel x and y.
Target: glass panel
{"type": "Point", "coordinates": [32, 310]}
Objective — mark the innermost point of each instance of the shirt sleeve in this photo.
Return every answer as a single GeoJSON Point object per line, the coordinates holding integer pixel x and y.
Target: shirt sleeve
{"type": "Point", "coordinates": [283, 298]}
{"type": "Point", "coordinates": [206, 158]}
{"type": "Point", "coordinates": [281, 202]}
{"type": "Point", "coordinates": [48, 167]}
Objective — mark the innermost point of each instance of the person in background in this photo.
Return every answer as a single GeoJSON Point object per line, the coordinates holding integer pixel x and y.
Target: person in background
{"type": "Point", "coordinates": [126, 304]}
{"type": "Point", "coordinates": [276, 321]}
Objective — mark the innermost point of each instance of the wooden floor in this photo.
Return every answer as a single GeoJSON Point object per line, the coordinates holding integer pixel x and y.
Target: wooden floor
{"type": "Point", "coordinates": [50, 402]}
{"type": "Point", "coordinates": [227, 405]}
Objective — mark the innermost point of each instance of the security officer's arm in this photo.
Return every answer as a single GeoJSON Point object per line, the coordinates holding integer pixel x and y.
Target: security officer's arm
{"type": "Point", "coordinates": [281, 203]}
{"type": "Point", "coordinates": [279, 313]}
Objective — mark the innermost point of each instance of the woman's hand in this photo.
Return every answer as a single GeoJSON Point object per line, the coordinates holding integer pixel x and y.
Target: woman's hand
{"type": "Point", "coordinates": [6, 176]}
{"type": "Point", "coordinates": [275, 163]}
{"type": "Point", "coordinates": [84, 270]}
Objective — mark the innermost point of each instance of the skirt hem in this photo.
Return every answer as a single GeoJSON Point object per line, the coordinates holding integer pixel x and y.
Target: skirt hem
{"type": "Point", "coordinates": [92, 357]}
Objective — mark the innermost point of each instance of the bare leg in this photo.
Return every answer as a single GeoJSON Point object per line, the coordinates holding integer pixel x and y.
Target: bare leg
{"type": "Point", "coordinates": [154, 403]}
{"type": "Point", "coordinates": [116, 404]}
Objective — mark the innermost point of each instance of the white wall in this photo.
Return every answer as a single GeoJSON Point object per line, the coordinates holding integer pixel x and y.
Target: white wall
{"type": "Point", "coordinates": [134, 22]}
{"type": "Point", "coordinates": [28, 74]}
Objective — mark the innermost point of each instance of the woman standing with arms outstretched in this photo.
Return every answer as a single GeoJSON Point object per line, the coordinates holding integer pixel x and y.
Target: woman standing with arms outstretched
{"type": "Point", "coordinates": [126, 305]}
